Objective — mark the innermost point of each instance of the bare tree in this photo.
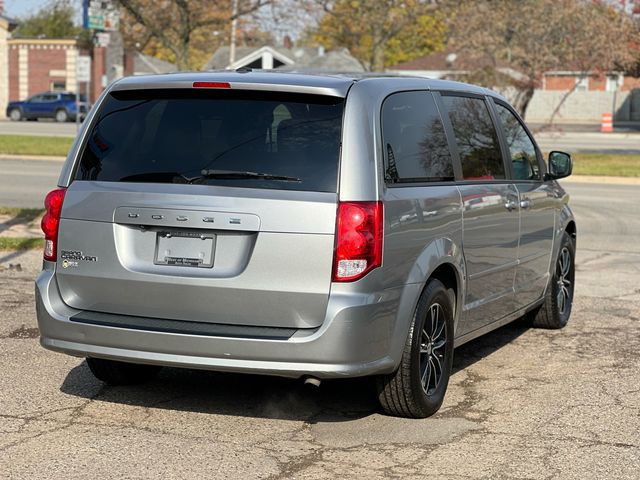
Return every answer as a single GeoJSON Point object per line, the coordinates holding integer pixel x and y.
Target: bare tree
{"type": "Point", "coordinates": [175, 23]}
{"type": "Point", "coordinates": [536, 36]}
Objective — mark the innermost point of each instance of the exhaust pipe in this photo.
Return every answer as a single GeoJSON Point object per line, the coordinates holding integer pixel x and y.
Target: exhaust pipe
{"type": "Point", "coordinates": [312, 381]}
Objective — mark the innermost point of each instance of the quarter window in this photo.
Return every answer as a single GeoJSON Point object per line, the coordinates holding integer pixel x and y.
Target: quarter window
{"type": "Point", "coordinates": [415, 145]}
{"type": "Point", "coordinates": [475, 137]}
{"type": "Point", "coordinates": [521, 148]}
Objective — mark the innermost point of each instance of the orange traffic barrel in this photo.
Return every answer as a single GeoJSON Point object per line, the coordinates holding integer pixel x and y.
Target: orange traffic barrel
{"type": "Point", "coordinates": [607, 123]}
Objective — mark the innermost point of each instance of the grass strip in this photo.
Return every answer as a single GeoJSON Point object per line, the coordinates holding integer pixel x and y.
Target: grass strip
{"type": "Point", "coordinates": [20, 243]}
{"type": "Point", "coordinates": [35, 145]}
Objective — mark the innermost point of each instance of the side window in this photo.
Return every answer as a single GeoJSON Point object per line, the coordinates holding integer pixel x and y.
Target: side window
{"type": "Point", "coordinates": [476, 138]}
{"type": "Point", "coordinates": [414, 142]}
{"type": "Point", "coordinates": [49, 97]}
{"type": "Point", "coordinates": [521, 148]}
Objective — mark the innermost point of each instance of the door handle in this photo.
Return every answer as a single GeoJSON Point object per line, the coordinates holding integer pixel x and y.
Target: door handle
{"type": "Point", "coordinates": [510, 205]}
{"type": "Point", "coordinates": [526, 204]}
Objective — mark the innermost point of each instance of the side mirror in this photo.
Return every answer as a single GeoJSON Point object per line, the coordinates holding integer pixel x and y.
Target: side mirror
{"type": "Point", "coordinates": [560, 165]}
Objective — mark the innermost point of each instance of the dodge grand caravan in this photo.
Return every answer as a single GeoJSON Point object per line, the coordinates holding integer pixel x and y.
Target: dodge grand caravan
{"type": "Point", "coordinates": [302, 226]}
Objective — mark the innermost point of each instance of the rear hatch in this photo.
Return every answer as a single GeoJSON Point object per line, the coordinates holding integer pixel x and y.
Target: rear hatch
{"type": "Point", "coordinates": [205, 205]}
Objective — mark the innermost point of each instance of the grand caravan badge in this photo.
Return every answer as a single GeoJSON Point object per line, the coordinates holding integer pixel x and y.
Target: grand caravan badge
{"type": "Point", "coordinates": [70, 258]}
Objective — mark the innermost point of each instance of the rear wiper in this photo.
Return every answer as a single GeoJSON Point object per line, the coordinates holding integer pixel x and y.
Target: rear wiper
{"type": "Point", "coordinates": [240, 174]}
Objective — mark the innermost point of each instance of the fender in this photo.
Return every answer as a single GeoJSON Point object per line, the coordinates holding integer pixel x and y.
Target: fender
{"type": "Point", "coordinates": [441, 251]}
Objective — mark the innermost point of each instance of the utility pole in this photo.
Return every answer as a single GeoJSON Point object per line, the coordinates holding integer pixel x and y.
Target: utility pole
{"type": "Point", "coordinates": [234, 25]}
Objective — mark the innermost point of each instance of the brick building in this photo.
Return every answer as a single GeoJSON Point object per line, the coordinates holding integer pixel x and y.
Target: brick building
{"type": "Point", "coordinates": [34, 65]}
{"type": "Point", "coordinates": [37, 65]}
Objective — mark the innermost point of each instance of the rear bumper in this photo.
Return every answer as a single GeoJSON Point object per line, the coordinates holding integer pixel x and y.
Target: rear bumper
{"type": "Point", "coordinates": [362, 334]}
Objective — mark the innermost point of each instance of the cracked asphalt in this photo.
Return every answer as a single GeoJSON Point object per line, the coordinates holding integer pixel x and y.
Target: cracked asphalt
{"type": "Point", "coordinates": [522, 403]}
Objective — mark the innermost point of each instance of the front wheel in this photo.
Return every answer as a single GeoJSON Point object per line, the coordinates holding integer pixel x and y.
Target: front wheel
{"type": "Point", "coordinates": [556, 309]}
{"type": "Point", "coordinates": [416, 389]}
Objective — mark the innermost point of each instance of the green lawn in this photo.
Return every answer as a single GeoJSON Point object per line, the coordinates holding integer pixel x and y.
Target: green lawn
{"type": "Point", "coordinates": [610, 165]}
{"type": "Point", "coordinates": [34, 145]}
{"type": "Point", "coordinates": [18, 243]}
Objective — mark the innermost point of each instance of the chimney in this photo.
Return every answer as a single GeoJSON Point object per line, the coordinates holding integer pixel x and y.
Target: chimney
{"type": "Point", "coordinates": [286, 41]}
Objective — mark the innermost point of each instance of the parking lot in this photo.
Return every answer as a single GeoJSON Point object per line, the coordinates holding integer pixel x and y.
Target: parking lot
{"type": "Point", "coordinates": [522, 403]}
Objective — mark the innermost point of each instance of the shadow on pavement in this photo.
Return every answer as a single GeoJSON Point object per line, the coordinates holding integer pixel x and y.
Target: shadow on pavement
{"type": "Point", "coordinates": [262, 396]}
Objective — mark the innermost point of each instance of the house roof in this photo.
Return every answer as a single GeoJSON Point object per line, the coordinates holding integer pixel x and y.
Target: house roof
{"type": "Point", "coordinates": [450, 63]}
{"type": "Point", "coordinates": [292, 58]}
{"type": "Point", "coordinates": [146, 64]}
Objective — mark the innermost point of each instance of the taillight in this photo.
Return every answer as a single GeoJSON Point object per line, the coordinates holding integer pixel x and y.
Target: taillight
{"type": "Point", "coordinates": [358, 240]}
{"type": "Point", "coordinates": [51, 221]}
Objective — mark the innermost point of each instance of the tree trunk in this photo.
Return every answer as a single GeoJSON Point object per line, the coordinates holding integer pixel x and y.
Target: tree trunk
{"type": "Point", "coordinates": [522, 99]}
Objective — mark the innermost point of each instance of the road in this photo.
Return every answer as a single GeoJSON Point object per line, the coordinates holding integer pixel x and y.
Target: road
{"type": "Point", "coordinates": [570, 141]}
{"type": "Point", "coordinates": [522, 403]}
{"type": "Point", "coordinates": [25, 183]}
{"type": "Point", "coordinates": [40, 127]}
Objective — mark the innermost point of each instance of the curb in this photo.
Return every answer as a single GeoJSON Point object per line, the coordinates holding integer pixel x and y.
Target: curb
{"type": "Point", "coordinates": [49, 158]}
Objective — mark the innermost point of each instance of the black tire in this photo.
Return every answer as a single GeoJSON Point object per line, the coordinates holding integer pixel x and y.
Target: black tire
{"type": "Point", "coordinates": [556, 309]}
{"type": "Point", "coordinates": [121, 373]}
{"type": "Point", "coordinates": [15, 115]}
{"type": "Point", "coordinates": [61, 116]}
{"type": "Point", "coordinates": [403, 393]}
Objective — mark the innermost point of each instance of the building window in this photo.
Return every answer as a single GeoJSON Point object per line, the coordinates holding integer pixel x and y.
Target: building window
{"type": "Point", "coordinates": [58, 85]}
{"type": "Point", "coordinates": [613, 82]}
{"type": "Point", "coordinates": [582, 84]}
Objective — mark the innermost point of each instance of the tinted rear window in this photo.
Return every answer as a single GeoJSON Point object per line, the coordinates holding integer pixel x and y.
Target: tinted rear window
{"type": "Point", "coordinates": [171, 136]}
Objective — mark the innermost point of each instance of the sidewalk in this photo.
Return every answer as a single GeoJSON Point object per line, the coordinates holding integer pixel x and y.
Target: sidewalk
{"type": "Point", "coordinates": [48, 158]}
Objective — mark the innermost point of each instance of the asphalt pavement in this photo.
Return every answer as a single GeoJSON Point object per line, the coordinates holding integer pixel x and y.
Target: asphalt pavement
{"type": "Point", "coordinates": [522, 403]}
{"type": "Point", "coordinates": [24, 183]}
{"type": "Point", "coordinates": [40, 127]}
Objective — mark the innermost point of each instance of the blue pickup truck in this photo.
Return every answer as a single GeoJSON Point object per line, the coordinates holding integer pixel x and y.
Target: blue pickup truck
{"type": "Point", "coordinates": [60, 106]}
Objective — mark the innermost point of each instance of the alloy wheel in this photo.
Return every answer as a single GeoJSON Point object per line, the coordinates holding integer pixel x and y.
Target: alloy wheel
{"type": "Point", "coordinates": [432, 348]}
{"type": "Point", "coordinates": [563, 273]}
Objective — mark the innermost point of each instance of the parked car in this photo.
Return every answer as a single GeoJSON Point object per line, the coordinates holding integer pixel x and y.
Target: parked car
{"type": "Point", "coordinates": [58, 105]}
{"type": "Point", "coordinates": [304, 226]}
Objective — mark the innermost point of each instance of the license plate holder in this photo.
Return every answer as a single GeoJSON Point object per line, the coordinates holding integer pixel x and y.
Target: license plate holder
{"type": "Point", "coordinates": [185, 249]}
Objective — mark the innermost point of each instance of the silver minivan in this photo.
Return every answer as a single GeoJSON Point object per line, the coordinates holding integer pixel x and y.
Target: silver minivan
{"type": "Point", "coordinates": [304, 226]}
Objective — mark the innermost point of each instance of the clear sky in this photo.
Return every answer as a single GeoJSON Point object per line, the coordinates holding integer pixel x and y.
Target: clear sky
{"type": "Point", "coordinates": [21, 8]}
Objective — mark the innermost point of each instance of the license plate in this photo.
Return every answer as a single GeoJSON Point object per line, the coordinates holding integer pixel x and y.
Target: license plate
{"type": "Point", "coordinates": [185, 249]}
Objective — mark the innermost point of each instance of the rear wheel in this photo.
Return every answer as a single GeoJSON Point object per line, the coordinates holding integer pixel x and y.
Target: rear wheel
{"type": "Point", "coordinates": [121, 373]}
{"type": "Point", "coordinates": [62, 116]}
{"type": "Point", "coordinates": [15, 115]}
{"type": "Point", "coordinates": [417, 388]}
{"type": "Point", "coordinates": [556, 309]}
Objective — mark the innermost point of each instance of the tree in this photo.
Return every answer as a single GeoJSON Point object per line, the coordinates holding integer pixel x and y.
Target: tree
{"type": "Point", "coordinates": [380, 32]}
{"type": "Point", "coordinates": [54, 20]}
{"type": "Point", "coordinates": [536, 36]}
{"type": "Point", "coordinates": [182, 31]}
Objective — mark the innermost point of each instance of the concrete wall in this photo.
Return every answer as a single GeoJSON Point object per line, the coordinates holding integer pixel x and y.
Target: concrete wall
{"type": "Point", "coordinates": [584, 107]}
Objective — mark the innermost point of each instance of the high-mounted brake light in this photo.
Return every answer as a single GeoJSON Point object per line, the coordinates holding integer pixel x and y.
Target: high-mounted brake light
{"type": "Point", "coordinates": [51, 221]}
{"type": "Point", "coordinates": [211, 85]}
{"type": "Point", "coordinates": [358, 246]}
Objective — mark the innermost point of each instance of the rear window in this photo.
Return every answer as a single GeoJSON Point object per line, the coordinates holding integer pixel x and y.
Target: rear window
{"type": "Point", "coordinates": [216, 137]}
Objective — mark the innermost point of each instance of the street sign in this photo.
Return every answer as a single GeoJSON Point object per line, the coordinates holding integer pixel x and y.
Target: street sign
{"type": "Point", "coordinates": [101, 15]}
{"type": "Point", "coordinates": [83, 68]}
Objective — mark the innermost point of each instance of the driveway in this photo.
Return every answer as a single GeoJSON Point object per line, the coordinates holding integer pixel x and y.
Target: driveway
{"type": "Point", "coordinates": [522, 403]}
